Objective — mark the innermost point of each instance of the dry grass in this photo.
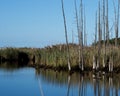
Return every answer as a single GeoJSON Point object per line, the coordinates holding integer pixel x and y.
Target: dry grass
{"type": "Point", "coordinates": [55, 55]}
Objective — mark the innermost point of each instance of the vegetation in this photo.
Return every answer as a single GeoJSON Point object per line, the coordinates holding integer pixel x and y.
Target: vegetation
{"type": "Point", "coordinates": [55, 56]}
{"type": "Point", "coordinates": [104, 54]}
{"type": "Point", "coordinates": [14, 54]}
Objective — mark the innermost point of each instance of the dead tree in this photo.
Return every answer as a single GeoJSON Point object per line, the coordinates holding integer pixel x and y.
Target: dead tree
{"type": "Point", "coordinates": [103, 19]}
{"type": "Point", "coordinates": [72, 37]}
{"type": "Point", "coordinates": [107, 24]}
{"type": "Point", "coordinates": [95, 42]}
{"type": "Point", "coordinates": [117, 25]}
{"type": "Point", "coordinates": [78, 30]}
{"type": "Point", "coordinates": [85, 35]}
{"type": "Point", "coordinates": [99, 37]}
{"type": "Point", "coordinates": [116, 13]}
{"type": "Point", "coordinates": [81, 35]}
{"type": "Point", "coordinates": [65, 26]}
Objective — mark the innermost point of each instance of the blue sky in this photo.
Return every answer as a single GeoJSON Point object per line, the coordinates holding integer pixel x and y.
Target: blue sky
{"type": "Point", "coordinates": [38, 23]}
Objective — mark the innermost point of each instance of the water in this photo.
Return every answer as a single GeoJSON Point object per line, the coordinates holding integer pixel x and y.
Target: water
{"type": "Point", "coordinates": [26, 81]}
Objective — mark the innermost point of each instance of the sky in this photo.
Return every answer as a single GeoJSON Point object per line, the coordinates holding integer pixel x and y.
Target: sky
{"type": "Point", "coordinates": [39, 23]}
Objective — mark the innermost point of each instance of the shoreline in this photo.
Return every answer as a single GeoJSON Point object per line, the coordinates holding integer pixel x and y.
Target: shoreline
{"type": "Point", "coordinates": [74, 69]}
{"type": "Point", "coordinates": [55, 57]}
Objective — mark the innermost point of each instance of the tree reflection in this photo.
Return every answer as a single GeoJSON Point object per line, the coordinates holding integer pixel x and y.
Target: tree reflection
{"type": "Point", "coordinates": [86, 84]}
{"type": "Point", "coordinates": [96, 83]}
{"type": "Point", "coordinates": [105, 85]}
{"type": "Point", "coordinates": [69, 79]}
{"type": "Point", "coordinates": [40, 86]}
{"type": "Point", "coordinates": [81, 86]}
{"type": "Point", "coordinates": [39, 81]}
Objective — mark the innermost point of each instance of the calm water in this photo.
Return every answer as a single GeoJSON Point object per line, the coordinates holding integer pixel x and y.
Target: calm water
{"type": "Point", "coordinates": [25, 81]}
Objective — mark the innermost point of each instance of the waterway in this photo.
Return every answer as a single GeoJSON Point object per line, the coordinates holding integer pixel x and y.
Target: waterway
{"type": "Point", "coordinates": [27, 81]}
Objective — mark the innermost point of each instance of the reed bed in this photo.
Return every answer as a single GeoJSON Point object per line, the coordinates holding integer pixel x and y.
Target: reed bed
{"type": "Point", "coordinates": [56, 57]}
{"type": "Point", "coordinates": [16, 54]}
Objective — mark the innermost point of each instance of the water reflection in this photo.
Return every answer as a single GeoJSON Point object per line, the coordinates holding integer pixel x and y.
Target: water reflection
{"type": "Point", "coordinates": [40, 87]}
{"type": "Point", "coordinates": [54, 83]}
{"type": "Point", "coordinates": [69, 79]}
{"type": "Point", "coordinates": [87, 84]}
{"type": "Point", "coordinates": [82, 86]}
{"type": "Point", "coordinates": [11, 66]}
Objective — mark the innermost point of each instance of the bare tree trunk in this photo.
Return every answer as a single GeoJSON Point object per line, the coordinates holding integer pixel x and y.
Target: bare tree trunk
{"type": "Point", "coordinates": [68, 52]}
{"type": "Point", "coordinates": [104, 57]}
{"type": "Point", "coordinates": [78, 30]}
{"type": "Point", "coordinates": [95, 42]}
{"type": "Point", "coordinates": [107, 24]}
{"type": "Point", "coordinates": [107, 30]}
{"type": "Point", "coordinates": [117, 29]}
{"type": "Point", "coordinates": [111, 59]}
{"type": "Point", "coordinates": [94, 62]}
{"type": "Point", "coordinates": [72, 37]}
{"type": "Point", "coordinates": [99, 38]}
{"type": "Point", "coordinates": [81, 35]}
{"type": "Point", "coordinates": [85, 37]}
{"type": "Point", "coordinates": [111, 65]}
{"type": "Point", "coordinates": [96, 30]}
{"type": "Point", "coordinates": [115, 23]}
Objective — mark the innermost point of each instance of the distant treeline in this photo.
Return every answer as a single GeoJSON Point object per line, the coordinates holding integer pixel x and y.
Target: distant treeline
{"type": "Point", "coordinates": [111, 42]}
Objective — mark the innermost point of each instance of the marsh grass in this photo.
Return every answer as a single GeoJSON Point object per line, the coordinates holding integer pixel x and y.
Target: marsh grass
{"type": "Point", "coordinates": [56, 57]}
{"type": "Point", "coordinates": [16, 54]}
